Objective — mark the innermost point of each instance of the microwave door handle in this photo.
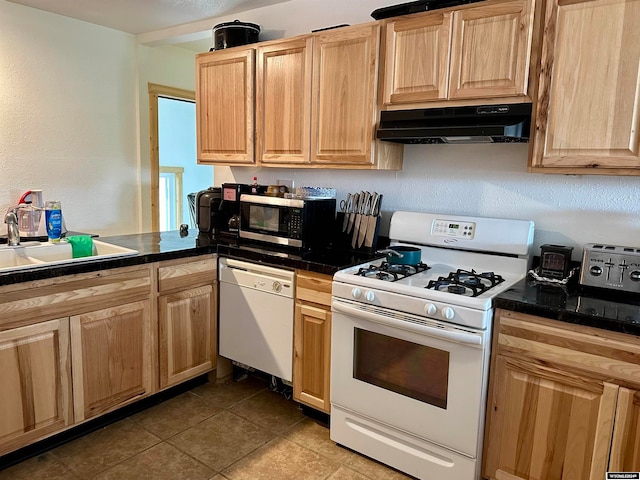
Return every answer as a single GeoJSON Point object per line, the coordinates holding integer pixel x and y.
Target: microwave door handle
{"type": "Point", "coordinates": [444, 333]}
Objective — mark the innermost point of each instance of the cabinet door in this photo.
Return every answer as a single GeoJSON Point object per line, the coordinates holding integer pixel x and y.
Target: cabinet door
{"type": "Point", "coordinates": [490, 50]}
{"type": "Point", "coordinates": [283, 102]}
{"type": "Point", "coordinates": [311, 357]}
{"type": "Point", "coordinates": [344, 95]}
{"type": "Point", "coordinates": [589, 94]}
{"type": "Point", "coordinates": [224, 106]}
{"type": "Point", "coordinates": [417, 58]}
{"type": "Point", "coordinates": [35, 382]}
{"type": "Point", "coordinates": [625, 447]}
{"type": "Point", "coordinates": [187, 334]}
{"type": "Point", "coordinates": [546, 425]}
{"type": "Point", "coordinates": [111, 358]}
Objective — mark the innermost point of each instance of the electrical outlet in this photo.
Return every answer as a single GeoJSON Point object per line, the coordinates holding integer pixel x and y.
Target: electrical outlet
{"type": "Point", "coordinates": [286, 183]}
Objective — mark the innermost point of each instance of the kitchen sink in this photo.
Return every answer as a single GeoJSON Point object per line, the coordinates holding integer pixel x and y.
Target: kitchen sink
{"type": "Point", "coordinates": [38, 255]}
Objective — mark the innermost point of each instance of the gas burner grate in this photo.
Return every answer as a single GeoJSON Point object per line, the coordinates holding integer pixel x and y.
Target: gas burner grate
{"type": "Point", "coordinates": [391, 272]}
{"type": "Point", "coordinates": [464, 282]}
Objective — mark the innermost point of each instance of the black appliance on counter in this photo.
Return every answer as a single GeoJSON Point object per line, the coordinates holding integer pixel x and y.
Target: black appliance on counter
{"type": "Point", "coordinates": [230, 206]}
{"type": "Point", "coordinates": [209, 216]}
{"type": "Point", "coordinates": [300, 223]}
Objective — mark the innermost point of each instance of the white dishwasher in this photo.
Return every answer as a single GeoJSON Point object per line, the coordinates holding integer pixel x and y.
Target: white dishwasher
{"type": "Point", "coordinates": [256, 316]}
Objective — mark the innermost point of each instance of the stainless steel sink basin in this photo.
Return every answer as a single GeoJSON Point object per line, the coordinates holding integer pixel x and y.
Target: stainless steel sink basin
{"type": "Point", "coordinates": [38, 255]}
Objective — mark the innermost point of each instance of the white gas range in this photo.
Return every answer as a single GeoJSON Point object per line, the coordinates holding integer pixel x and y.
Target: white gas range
{"type": "Point", "coordinates": [410, 344]}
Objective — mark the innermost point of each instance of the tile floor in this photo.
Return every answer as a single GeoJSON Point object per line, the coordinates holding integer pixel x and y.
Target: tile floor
{"type": "Point", "coordinates": [216, 431]}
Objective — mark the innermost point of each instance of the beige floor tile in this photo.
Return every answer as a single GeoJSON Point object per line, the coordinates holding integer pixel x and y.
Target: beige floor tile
{"type": "Point", "coordinates": [281, 459]}
{"type": "Point", "coordinates": [372, 469]}
{"type": "Point", "coordinates": [226, 394]}
{"type": "Point", "coordinates": [344, 473]}
{"type": "Point", "coordinates": [160, 462]}
{"type": "Point", "coordinates": [315, 437]}
{"type": "Point", "coordinates": [221, 440]}
{"type": "Point", "coordinates": [175, 415]}
{"type": "Point", "coordinates": [99, 450]}
{"type": "Point", "coordinates": [42, 467]}
{"type": "Point", "coordinates": [270, 410]}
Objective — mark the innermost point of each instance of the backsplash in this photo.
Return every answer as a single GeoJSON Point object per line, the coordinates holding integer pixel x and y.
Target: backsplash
{"type": "Point", "coordinates": [485, 180]}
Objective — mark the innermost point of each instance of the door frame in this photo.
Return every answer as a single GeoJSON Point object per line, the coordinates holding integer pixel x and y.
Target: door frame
{"type": "Point", "coordinates": [156, 91]}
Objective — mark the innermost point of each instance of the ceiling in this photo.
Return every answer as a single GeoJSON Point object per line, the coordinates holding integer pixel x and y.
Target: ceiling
{"type": "Point", "coordinates": [142, 16]}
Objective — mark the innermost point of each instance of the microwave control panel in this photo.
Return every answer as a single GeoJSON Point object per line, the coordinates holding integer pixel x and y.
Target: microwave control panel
{"type": "Point", "coordinates": [448, 228]}
{"type": "Point", "coordinates": [610, 266]}
{"type": "Point", "coordinates": [295, 223]}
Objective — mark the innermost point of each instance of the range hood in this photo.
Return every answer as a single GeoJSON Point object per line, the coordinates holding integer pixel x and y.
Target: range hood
{"type": "Point", "coordinates": [479, 124]}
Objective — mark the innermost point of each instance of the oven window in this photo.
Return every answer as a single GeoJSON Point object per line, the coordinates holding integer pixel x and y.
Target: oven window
{"type": "Point", "coordinates": [264, 218]}
{"type": "Point", "coordinates": [413, 370]}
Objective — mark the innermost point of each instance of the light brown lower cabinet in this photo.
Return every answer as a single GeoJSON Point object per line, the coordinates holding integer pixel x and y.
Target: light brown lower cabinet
{"type": "Point", "coordinates": [75, 347]}
{"type": "Point", "coordinates": [563, 401]}
{"type": "Point", "coordinates": [35, 382]}
{"type": "Point", "coordinates": [186, 334]}
{"type": "Point", "coordinates": [312, 340]}
{"type": "Point", "coordinates": [187, 319]}
{"type": "Point", "coordinates": [112, 360]}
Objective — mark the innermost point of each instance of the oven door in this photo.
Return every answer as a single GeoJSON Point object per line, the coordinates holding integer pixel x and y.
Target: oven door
{"type": "Point", "coordinates": [417, 375]}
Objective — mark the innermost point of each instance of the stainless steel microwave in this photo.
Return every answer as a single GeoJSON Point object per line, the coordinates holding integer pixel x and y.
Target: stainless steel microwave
{"type": "Point", "coordinates": [292, 222]}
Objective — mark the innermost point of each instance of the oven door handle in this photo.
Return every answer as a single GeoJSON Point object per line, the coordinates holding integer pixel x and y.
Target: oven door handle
{"type": "Point", "coordinates": [432, 329]}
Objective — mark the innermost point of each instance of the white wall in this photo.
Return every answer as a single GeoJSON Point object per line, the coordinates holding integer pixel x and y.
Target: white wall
{"type": "Point", "coordinates": [68, 118]}
{"type": "Point", "coordinates": [487, 180]}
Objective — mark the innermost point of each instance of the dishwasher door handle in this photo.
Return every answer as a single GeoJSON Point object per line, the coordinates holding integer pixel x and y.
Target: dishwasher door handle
{"type": "Point", "coordinates": [256, 268]}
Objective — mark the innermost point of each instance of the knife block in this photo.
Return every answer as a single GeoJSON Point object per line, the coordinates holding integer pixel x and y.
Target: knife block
{"type": "Point", "coordinates": [342, 240]}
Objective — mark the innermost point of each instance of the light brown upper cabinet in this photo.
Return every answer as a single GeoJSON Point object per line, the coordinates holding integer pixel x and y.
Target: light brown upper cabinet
{"type": "Point", "coordinates": [225, 106]}
{"type": "Point", "coordinates": [478, 52]}
{"type": "Point", "coordinates": [588, 104]}
{"type": "Point", "coordinates": [417, 58]}
{"type": "Point", "coordinates": [283, 101]}
{"type": "Point", "coordinates": [344, 113]}
{"type": "Point", "coordinates": [315, 103]}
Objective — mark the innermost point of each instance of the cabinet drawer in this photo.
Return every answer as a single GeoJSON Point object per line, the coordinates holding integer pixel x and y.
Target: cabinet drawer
{"type": "Point", "coordinates": [180, 274]}
{"type": "Point", "coordinates": [601, 354]}
{"type": "Point", "coordinates": [313, 287]}
{"type": "Point", "coordinates": [31, 302]}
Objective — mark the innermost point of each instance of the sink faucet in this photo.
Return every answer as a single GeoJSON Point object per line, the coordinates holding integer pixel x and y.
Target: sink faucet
{"type": "Point", "coordinates": [13, 234]}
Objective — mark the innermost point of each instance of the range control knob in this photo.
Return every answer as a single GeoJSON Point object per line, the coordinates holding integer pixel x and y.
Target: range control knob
{"type": "Point", "coordinates": [370, 296]}
{"type": "Point", "coordinates": [356, 293]}
{"type": "Point", "coordinates": [635, 275]}
{"type": "Point", "coordinates": [448, 313]}
{"type": "Point", "coordinates": [595, 271]}
{"type": "Point", "coordinates": [430, 309]}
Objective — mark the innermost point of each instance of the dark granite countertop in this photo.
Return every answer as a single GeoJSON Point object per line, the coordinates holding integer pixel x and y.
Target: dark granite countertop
{"type": "Point", "coordinates": [601, 308]}
{"type": "Point", "coordinates": [158, 246]}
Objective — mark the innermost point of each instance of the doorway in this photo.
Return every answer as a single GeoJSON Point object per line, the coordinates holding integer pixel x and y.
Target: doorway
{"type": "Point", "coordinates": [175, 174]}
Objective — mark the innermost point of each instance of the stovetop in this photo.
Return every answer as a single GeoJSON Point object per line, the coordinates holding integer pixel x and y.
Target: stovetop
{"type": "Point", "coordinates": [461, 281]}
{"type": "Point", "coordinates": [433, 291]}
{"type": "Point", "coordinates": [465, 263]}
